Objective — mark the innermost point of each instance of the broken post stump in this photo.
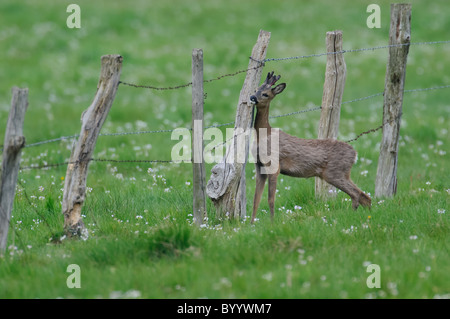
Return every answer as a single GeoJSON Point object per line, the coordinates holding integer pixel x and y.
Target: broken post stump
{"type": "Point", "coordinates": [91, 123]}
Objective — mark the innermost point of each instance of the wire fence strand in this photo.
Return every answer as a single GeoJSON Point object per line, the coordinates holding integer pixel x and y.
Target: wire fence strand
{"type": "Point", "coordinates": [298, 57]}
{"type": "Point", "coordinates": [104, 160]}
{"type": "Point", "coordinates": [139, 86]}
{"type": "Point", "coordinates": [261, 64]}
{"type": "Point", "coordinates": [65, 163]}
{"type": "Point", "coordinates": [316, 108]}
{"type": "Point", "coordinates": [355, 50]}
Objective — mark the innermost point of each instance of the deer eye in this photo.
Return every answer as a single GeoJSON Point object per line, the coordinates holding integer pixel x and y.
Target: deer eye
{"type": "Point", "coordinates": [265, 95]}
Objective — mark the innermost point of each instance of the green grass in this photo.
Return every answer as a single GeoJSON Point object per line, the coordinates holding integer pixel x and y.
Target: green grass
{"type": "Point", "coordinates": [142, 241]}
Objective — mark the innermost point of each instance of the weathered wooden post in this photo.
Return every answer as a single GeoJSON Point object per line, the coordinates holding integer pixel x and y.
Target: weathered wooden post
{"type": "Point", "coordinates": [12, 148]}
{"type": "Point", "coordinates": [198, 164]}
{"type": "Point", "coordinates": [399, 39]}
{"type": "Point", "coordinates": [333, 90]}
{"type": "Point", "coordinates": [91, 123]}
{"type": "Point", "coordinates": [226, 186]}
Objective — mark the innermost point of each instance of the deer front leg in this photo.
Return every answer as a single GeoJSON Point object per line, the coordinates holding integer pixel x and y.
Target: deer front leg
{"type": "Point", "coordinates": [260, 182]}
{"type": "Point", "coordinates": [272, 191]}
{"type": "Point", "coordinates": [347, 186]}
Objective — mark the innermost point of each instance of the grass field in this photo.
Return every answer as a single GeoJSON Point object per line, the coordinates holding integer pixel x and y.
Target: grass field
{"type": "Point", "coordinates": [142, 242]}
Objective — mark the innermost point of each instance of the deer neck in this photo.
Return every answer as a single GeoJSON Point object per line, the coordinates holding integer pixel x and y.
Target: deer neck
{"type": "Point", "coordinates": [262, 119]}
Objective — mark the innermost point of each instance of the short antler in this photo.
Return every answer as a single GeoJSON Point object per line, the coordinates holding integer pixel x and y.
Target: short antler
{"type": "Point", "coordinates": [269, 75]}
{"type": "Point", "coordinates": [271, 79]}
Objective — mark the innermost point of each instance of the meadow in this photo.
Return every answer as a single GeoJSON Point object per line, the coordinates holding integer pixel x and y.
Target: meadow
{"type": "Point", "coordinates": [142, 241]}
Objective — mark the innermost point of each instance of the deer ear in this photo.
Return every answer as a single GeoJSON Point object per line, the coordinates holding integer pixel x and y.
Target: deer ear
{"type": "Point", "coordinates": [279, 88]}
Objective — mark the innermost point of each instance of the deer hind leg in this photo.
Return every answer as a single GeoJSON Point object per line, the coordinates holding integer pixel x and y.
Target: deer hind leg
{"type": "Point", "coordinates": [260, 183]}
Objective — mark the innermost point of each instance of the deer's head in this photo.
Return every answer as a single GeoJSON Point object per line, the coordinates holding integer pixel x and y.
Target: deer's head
{"type": "Point", "coordinates": [265, 93]}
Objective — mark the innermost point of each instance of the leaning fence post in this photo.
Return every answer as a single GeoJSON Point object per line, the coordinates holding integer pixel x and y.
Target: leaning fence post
{"type": "Point", "coordinates": [198, 164]}
{"type": "Point", "coordinates": [226, 186]}
{"type": "Point", "coordinates": [12, 148]}
{"type": "Point", "coordinates": [92, 120]}
{"type": "Point", "coordinates": [399, 40]}
{"type": "Point", "coordinates": [333, 90]}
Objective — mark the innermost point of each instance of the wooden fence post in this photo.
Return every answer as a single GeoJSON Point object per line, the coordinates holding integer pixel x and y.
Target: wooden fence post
{"type": "Point", "coordinates": [92, 120]}
{"type": "Point", "coordinates": [399, 38]}
{"type": "Point", "coordinates": [226, 186]}
{"type": "Point", "coordinates": [12, 149]}
{"type": "Point", "coordinates": [333, 90]}
{"type": "Point", "coordinates": [198, 164]}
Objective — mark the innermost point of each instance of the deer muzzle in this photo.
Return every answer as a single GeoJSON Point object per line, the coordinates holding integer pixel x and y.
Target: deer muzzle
{"type": "Point", "coordinates": [253, 99]}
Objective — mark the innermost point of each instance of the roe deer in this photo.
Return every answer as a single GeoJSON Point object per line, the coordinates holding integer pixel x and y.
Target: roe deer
{"type": "Point", "coordinates": [328, 159]}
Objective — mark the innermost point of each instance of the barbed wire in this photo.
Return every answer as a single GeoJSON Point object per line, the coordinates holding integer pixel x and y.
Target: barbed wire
{"type": "Point", "coordinates": [363, 98]}
{"type": "Point", "coordinates": [428, 89]}
{"type": "Point", "coordinates": [52, 140]}
{"type": "Point", "coordinates": [46, 166]}
{"type": "Point", "coordinates": [139, 86]}
{"type": "Point", "coordinates": [106, 160]}
{"type": "Point", "coordinates": [230, 123]}
{"type": "Point", "coordinates": [156, 131]}
{"type": "Point", "coordinates": [354, 50]}
{"type": "Point", "coordinates": [262, 63]}
{"type": "Point", "coordinates": [65, 163]}
{"type": "Point", "coordinates": [373, 130]}
{"type": "Point", "coordinates": [62, 138]}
